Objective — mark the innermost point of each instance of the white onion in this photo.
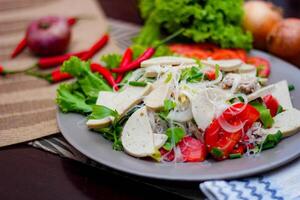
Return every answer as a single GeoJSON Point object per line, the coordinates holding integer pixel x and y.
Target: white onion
{"type": "Point", "coordinates": [228, 127]}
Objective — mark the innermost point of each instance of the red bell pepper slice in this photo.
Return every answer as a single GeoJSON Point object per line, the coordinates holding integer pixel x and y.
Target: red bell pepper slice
{"type": "Point", "coordinates": [271, 103]}
{"type": "Point", "coordinates": [263, 66]}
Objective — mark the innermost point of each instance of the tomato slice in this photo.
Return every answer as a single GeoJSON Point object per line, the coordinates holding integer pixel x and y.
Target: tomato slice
{"type": "Point", "coordinates": [192, 150]}
{"type": "Point", "coordinates": [262, 65]}
{"type": "Point", "coordinates": [222, 54]}
{"type": "Point", "coordinates": [271, 103]}
{"type": "Point", "coordinates": [221, 143]}
{"type": "Point", "coordinates": [211, 74]}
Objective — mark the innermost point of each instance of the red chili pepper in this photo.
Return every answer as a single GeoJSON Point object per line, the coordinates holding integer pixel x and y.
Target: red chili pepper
{"type": "Point", "coordinates": [57, 76]}
{"type": "Point", "coordinates": [127, 57]}
{"type": "Point", "coordinates": [136, 63]}
{"type": "Point", "coordinates": [211, 74]}
{"type": "Point", "coordinates": [96, 47]}
{"type": "Point", "coordinates": [47, 62]}
{"type": "Point", "coordinates": [271, 103]}
{"type": "Point", "coordinates": [22, 44]}
{"type": "Point", "coordinates": [95, 67]}
{"type": "Point", "coordinates": [221, 143]}
{"type": "Point", "coordinates": [19, 48]}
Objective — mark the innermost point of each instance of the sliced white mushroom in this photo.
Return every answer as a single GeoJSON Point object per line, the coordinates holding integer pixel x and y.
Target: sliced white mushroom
{"type": "Point", "coordinates": [159, 140]}
{"type": "Point", "coordinates": [204, 105]}
{"type": "Point", "coordinates": [225, 65]}
{"type": "Point", "coordinates": [137, 136]}
{"type": "Point", "coordinates": [261, 92]}
{"type": "Point", "coordinates": [167, 60]}
{"type": "Point", "coordinates": [288, 122]}
{"type": "Point", "coordinates": [282, 94]}
{"type": "Point", "coordinates": [99, 123]}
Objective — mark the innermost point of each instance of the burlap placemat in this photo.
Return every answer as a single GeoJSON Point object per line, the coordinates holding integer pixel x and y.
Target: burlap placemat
{"type": "Point", "coordinates": [27, 108]}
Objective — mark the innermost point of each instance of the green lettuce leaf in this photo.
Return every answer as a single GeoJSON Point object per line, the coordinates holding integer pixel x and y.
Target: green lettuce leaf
{"type": "Point", "coordinates": [69, 100]}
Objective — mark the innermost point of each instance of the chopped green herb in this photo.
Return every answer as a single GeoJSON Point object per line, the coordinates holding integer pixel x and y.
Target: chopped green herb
{"type": "Point", "coordinates": [138, 83]}
{"type": "Point", "coordinates": [188, 73]}
{"type": "Point", "coordinates": [217, 71]}
{"type": "Point", "coordinates": [218, 153]}
{"type": "Point", "coordinates": [272, 140]}
{"type": "Point", "coordinates": [291, 87]}
{"type": "Point", "coordinates": [279, 110]}
{"type": "Point", "coordinates": [265, 115]}
{"type": "Point", "coordinates": [175, 135]}
{"type": "Point", "coordinates": [169, 105]}
{"type": "Point", "coordinates": [195, 78]}
{"type": "Point", "coordinates": [235, 155]}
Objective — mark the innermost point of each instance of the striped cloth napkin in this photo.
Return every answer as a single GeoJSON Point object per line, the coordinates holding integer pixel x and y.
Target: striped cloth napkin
{"type": "Point", "coordinates": [283, 183]}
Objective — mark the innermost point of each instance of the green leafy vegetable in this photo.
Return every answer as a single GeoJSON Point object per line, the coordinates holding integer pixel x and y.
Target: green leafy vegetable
{"type": "Point", "coordinates": [69, 100]}
{"type": "Point", "coordinates": [89, 82]}
{"type": "Point", "coordinates": [265, 115]}
{"type": "Point", "coordinates": [291, 87]}
{"type": "Point", "coordinates": [111, 60]}
{"type": "Point", "coordinates": [168, 106]}
{"type": "Point", "coordinates": [191, 75]}
{"type": "Point", "coordinates": [169, 78]}
{"type": "Point", "coordinates": [204, 21]}
{"type": "Point", "coordinates": [100, 112]}
{"type": "Point", "coordinates": [272, 140]}
{"type": "Point", "coordinates": [175, 135]}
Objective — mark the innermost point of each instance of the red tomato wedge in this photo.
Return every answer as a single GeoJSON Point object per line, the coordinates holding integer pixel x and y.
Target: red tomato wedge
{"type": "Point", "coordinates": [192, 150]}
{"type": "Point", "coordinates": [272, 104]}
{"type": "Point", "coordinates": [211, 74]}
{"type": "Point", "coordinates": [263, 66]}
{"type": "Point", "coordinates": [221, 143]}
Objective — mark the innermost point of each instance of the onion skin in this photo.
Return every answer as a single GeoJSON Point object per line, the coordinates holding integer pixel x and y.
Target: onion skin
{"type": "Point", "coordinates": [259, 19]}
{"type": "Point", "coordinates": [284, 40]}
{"type": "Point", "coordinates": [48, 36]}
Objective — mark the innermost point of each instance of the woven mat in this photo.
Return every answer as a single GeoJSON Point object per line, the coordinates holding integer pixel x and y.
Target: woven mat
{"type": "Point", "coordinates": [26, 103]}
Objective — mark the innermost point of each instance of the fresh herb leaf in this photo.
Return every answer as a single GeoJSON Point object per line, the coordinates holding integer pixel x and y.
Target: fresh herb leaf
{"type": "Point", "coordinates": [111, 60]}
{"type": "Point", "coordinates": [291, 87]}
{"type": "Point", "coordinates": [100, 112]}
{"type": "Point", "coordinates": [272, 140]}
{"type": "Point", "coordinates": [192, 74]}
{"type": "Point", "coordinates": [70, 100]}
{"type": "Point", "coordinates": [265, 115]}
{"type": "Point", "coordinates": [175, 135]}
{"type": "Point", "coordinates": [89, 82]}
{"type": "Point", "coordinates": [169, 105]}
{"type": "Point", "coordinates": [217, 71]}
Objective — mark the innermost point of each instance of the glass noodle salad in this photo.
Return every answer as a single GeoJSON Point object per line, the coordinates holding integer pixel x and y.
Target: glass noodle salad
{"type": "Point", "coordinates": [178, 109]}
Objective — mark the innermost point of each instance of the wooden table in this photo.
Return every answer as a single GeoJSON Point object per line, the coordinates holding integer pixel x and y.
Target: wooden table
{"type": "Point", "coordinates": [29, 173]}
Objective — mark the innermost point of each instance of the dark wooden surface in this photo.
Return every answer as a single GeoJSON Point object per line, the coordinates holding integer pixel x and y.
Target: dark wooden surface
{"type": "Point", "coordinates": [28, 173]}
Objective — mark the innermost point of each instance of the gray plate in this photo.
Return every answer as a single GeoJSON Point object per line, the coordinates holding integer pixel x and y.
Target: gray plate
{"type": "Point", "coordinates": [97, 148]}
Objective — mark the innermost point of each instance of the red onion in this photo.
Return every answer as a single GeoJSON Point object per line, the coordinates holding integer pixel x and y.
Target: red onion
{"type": "Point", "coordinates": [259, 19]}
{"type": "Point", "coordinates": [48, 36]}
{"type": "Point", "coordinates": [284, 40]}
